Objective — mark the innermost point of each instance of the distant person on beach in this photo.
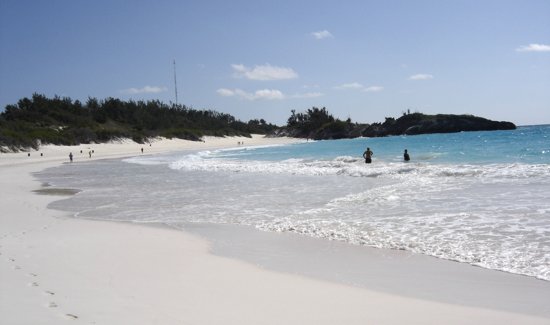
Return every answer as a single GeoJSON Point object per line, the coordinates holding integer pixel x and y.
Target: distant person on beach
{"type": "Point", "coordinates": [368, 156]}
{"type": "Point", "coordinates": [141, 150]}
{"type": "Point", "coordinates": [406, 156]}
{"type": "Point", "coordinates": [90, 153]}
{"type": "Point", "coordinates": [71, 157]}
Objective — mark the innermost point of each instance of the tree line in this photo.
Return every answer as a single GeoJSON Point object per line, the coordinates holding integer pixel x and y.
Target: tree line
{"type": "Point", "coordinates": [63, 121]}
{"type": "Point", "coordinates": [317, 123]}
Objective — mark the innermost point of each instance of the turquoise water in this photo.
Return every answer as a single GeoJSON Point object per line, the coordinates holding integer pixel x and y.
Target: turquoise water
{"type": "Point", "coordinates": [530, 145]}
{"type": "Point", "coordinates": [481, 198]}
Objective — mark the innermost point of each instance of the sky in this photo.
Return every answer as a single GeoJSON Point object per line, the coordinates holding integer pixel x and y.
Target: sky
{"type": "Point", "coordinates": [365, 60]}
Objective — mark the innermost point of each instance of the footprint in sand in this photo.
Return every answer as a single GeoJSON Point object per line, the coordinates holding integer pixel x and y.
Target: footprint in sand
{"type": "Point", "coordinates": [71, 316]}
{"type": "Point", "coordinates": [33, 284]}
{"type": "Point", "coordinates": [17, 267]}
{"type": "Point", "coordinates": [52, 304]}
{"type": "Point", "coordinates": [49, 292]}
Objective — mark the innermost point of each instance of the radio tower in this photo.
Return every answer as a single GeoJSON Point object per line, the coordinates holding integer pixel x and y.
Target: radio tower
{"type": "Point", "coordinates": [175, 83]}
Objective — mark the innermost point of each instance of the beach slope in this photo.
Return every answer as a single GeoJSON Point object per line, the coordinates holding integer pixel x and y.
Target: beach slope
{"type": "Point", "coordinates": [55, 269]}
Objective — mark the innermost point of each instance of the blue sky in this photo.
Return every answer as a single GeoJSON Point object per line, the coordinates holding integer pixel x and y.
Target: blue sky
{"type": "Point", "coordinates": [260, 59]}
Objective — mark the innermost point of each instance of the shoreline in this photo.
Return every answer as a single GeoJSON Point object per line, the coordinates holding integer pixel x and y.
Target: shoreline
{"type": "Point", "coordinates": [379, 269]}
{"type": "Point", "coordinates": [128, 148]}
{"type": "Point", "coordinates": [56, 268]}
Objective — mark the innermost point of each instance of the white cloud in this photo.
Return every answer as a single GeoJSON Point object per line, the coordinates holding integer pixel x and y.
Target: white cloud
{"type": "Point", "coordinates": [225, 92]}
{"type": "Point", "coordinates": [264, 94]}
{"type": "Point", "coordinates": [322, 34]}
{"type": "Point", "coordinates": [268, 94]}
{"type": "Point", "coordinates": [373, 89]}
{"type": "Point", "coordinates": [421, 76]}
{"type": "Point", "coordinates": [534, 48]}
{"type": "Point", "coordinates": [263, 72]}
{"type": "Point", "coordinates": [144, 90]}
{"type": "Point", "coordinates": [309, 95]}
{"type": "Point", "coordinates": [353, 85]}
{"type": "Point", "coordinates": [360, 87]}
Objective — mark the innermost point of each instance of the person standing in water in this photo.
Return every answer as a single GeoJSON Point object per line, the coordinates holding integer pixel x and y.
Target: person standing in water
{"type": "Point", "coordinates": [368, 156]}
{"type": "Point", "coordinates": [406, 156]}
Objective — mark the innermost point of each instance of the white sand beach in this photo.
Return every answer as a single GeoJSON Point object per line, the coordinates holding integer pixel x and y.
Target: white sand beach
{"type": "Point", "coordinates": [56, 269]}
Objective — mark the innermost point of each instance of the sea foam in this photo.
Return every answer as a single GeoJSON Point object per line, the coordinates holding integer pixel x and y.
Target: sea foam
{"type": "Point", "coordinates": [479, 198]}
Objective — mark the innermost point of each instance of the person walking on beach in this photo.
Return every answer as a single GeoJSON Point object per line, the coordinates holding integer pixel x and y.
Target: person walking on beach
{"type": "Point", "coordinates": [71, 156]}
{"type": "Point", "coordinates": [368, 156]}
{"type": "Point", "coordinates": [406, 156]}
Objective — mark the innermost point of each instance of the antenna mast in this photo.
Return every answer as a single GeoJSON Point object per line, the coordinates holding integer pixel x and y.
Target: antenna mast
{"type": "Point", "coordinates": [175, 83]}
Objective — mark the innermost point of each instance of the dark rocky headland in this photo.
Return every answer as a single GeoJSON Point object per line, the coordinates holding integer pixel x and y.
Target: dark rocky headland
{"type": "Point", "coordinates": [305, 126]}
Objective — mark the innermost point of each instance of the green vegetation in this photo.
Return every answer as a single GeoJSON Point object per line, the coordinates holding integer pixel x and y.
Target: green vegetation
{"type": "Point", "coordinates": [318, 124]}
{"type": "Point", "coordinates": [62, 121]}
{"type": "Point", "coordinates": [418, 123]}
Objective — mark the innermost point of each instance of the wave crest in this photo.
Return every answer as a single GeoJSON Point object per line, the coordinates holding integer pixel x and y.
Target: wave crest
{"type": "Point", "coordinates": [355, 167]}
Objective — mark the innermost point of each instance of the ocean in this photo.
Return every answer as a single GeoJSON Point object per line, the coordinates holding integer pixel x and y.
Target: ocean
{"type": "Point", "coordinates": [481, 198]}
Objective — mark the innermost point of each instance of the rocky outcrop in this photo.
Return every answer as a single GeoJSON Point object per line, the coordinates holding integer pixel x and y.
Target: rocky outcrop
{"type": "Point", "coordinates": [418, 123]}
{"type": "Point", "coordinates": [409, 124]}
